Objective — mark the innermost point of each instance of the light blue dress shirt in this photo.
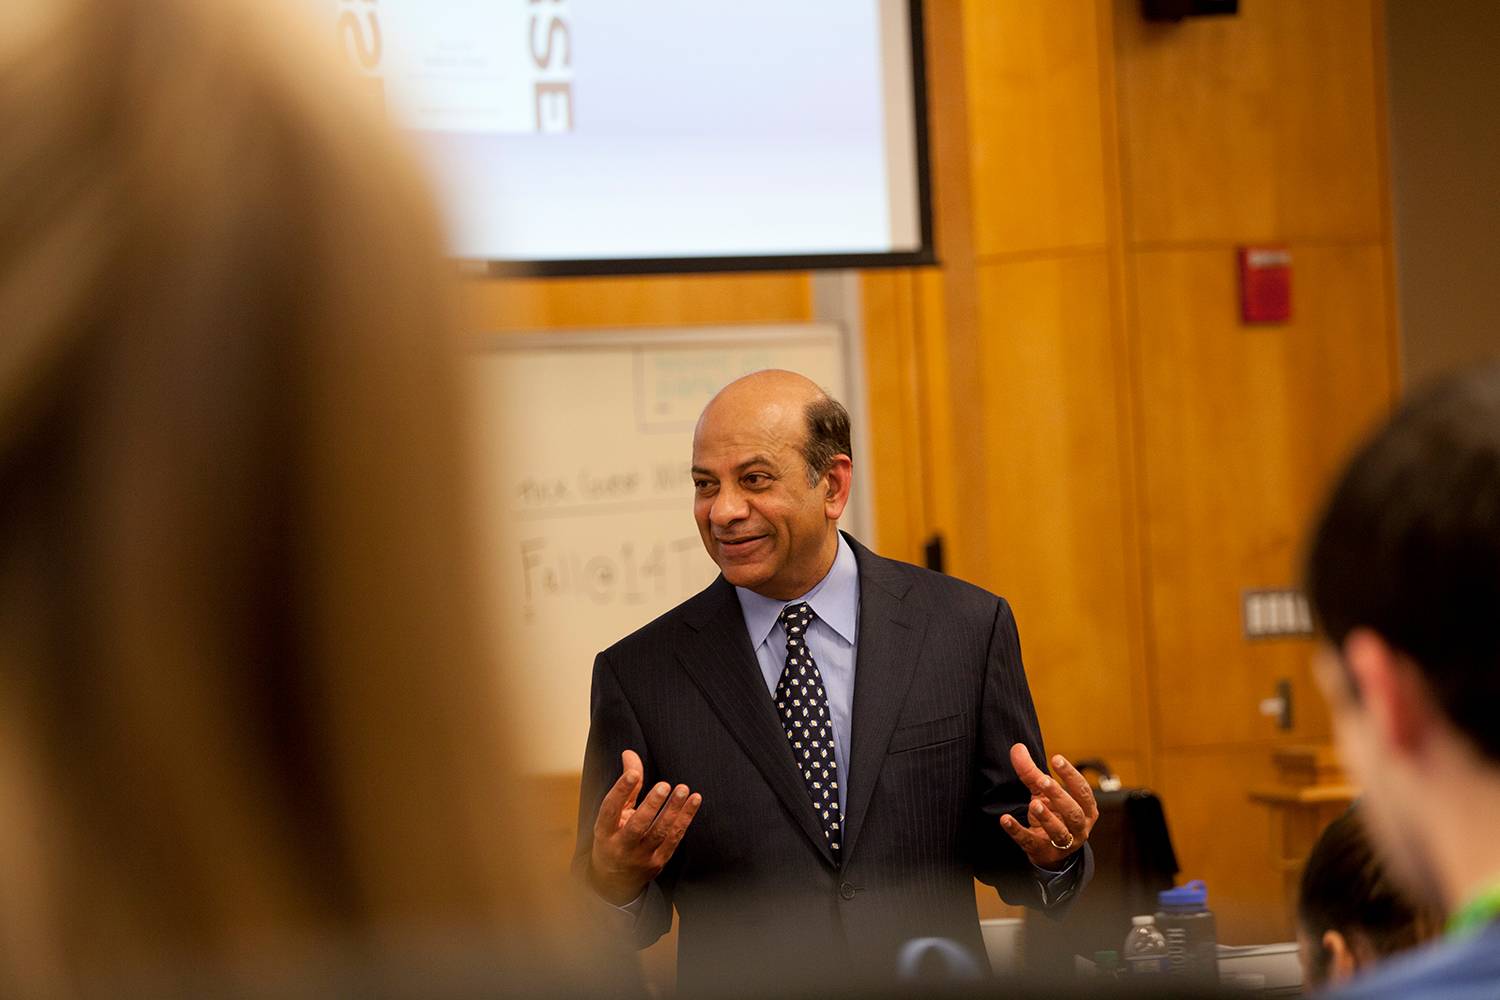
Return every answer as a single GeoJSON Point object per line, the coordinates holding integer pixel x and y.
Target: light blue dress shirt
{"type": "Point", "coordinates": [830, 638]}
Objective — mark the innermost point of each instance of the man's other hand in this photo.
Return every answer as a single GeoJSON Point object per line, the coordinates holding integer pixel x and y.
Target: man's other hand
{"type": "Point", "coordinates": [1061, 815]}
{"type": "Point", "coordinates": [633, 841]}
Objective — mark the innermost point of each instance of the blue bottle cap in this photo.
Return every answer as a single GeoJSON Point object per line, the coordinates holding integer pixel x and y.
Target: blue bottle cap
{"type": "Point", "coordinates": [1193, 896]}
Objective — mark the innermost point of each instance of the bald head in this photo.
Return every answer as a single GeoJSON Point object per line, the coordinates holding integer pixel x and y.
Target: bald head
{"type": "Point", "coordinates": [772, 383]}
{"type": "Point", "coordinates": [795, 405]}
{"type": "Point", "coordinates": [771, 477]}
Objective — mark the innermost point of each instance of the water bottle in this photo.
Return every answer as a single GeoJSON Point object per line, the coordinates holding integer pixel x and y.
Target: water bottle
{"type": "Point", "coordinates": [1145, 948]}
{"type": "Point", "coordinates": [1188, 926]}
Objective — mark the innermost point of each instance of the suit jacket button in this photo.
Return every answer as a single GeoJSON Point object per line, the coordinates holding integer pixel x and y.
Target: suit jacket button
{"type": "Point", "coordinates": [846, 890]}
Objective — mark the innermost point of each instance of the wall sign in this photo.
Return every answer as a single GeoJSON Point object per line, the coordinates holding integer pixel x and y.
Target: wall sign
{"type": "Point", "coordinates": [1265, 284]}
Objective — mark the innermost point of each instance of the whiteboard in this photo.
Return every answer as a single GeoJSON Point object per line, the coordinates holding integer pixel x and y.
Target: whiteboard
{"type": "Point", "coordinates": [585, 445]}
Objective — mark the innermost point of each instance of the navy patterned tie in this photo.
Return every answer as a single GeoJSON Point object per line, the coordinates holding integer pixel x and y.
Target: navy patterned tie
{"type": "Point", "coordinates": [803, 705]}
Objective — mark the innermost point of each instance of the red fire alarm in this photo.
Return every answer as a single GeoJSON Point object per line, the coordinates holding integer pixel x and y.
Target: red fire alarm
{"type": "Point", "coordinates": [1265, 284]}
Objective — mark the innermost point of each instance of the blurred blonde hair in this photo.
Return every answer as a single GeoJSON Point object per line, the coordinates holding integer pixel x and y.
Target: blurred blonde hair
{"type": "Point", "coordinates": [244, 707]}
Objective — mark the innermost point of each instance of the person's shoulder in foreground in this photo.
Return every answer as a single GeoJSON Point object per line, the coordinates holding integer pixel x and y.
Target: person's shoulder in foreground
{"type": "Point", "coordinates": [1463, 968]}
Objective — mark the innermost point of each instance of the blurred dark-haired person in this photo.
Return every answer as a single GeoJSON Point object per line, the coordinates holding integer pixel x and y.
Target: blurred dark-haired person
{"type": "Point", "coordinates": [857, 732]}
{"type": "Point", "coordinates": [1404, 576]}
{"type": "Point", "coordinates": [250, 736]}
{"type": "Point", "coordinates": [1350, 913]}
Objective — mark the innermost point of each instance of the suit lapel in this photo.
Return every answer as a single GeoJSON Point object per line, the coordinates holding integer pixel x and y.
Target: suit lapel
{"type": "Point", "coordinates": [890, 640]}
{"type": "Point", "coordinates": [718, 657]}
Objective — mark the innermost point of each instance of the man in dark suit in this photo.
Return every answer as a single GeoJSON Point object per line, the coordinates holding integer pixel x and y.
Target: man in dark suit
{"type": "Point", "coordinates": [852, 738]}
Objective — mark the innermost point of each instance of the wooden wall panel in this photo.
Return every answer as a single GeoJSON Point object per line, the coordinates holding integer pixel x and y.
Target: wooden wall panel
{"type": "Point", "coordinates": [1225, 839]}
{"type": "Point", "coordinates": [1052, 467]}
{"type": "Point", "coordinates": [949, 301]}
{"type": "Point", "coordinates": [1259, 126]}
{"type": "Point", "coordinates": [893, 391]}
{"type": "Point", "coordinates": [1241, 428]}
{"type": "Point", "coordinates": [658, 300]}
{"type": "Point", "coordinates": [1127, 397]}
{"type": "Point", "coordinates": [943, 493]}
{"type": "Point", "coordinates": [1034, 125]}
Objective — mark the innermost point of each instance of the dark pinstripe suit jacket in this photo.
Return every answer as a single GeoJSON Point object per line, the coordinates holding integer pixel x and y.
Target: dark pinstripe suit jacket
{"type": "Point", "coordinates": [939, 697]}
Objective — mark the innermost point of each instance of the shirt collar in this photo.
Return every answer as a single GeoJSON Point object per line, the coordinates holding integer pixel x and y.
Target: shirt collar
{"type": "Point", "coordinates": [834, 599]}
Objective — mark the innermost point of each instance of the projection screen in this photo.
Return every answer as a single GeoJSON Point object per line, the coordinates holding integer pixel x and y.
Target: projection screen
{"type": "Point", "coordinates": [616, 136]}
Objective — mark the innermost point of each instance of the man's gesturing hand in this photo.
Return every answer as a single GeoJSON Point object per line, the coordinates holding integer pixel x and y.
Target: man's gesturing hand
{"type": "Point", "coordinates": [633, 842]}
{"type": "Point", "coordinates": [1062, 812]}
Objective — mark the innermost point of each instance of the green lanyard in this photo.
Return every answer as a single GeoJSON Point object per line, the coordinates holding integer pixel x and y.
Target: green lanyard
{"type": "Point", "coordinates": [1476, 913]}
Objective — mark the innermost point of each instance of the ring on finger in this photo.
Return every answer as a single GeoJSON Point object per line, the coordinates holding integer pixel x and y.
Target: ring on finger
{"type": "Point", "coordinates": [1065, 845]}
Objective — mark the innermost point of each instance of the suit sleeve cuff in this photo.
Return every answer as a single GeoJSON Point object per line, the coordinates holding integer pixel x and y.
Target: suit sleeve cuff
{"type": "Point", "coordinates": [1056, 886]}
{"type": "Point", "coordinates": [622, 918]}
